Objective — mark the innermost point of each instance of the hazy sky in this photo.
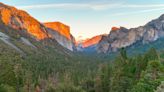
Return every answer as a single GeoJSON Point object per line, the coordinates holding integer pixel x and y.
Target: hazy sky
{"type": "Point", "coordinates": [88, 18]}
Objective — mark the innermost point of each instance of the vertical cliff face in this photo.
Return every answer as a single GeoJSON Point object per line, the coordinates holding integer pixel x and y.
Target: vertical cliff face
{"type": "Point", "coordinates": [60, 28]}
{"type": "Point", "coordinates": [123, 37]}
{"type": "Point", "coordinates": [61, 33]}
{"type": "Point", "coordinates": [12, 19]}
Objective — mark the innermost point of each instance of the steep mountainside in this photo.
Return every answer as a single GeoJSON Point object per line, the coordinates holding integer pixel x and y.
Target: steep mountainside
{"type": "Point", "coordinates": [123, 37]}
{"type": "Point", "coordinates": [61, 33]}
{"type": "Point", "coordinates": [18, 23]}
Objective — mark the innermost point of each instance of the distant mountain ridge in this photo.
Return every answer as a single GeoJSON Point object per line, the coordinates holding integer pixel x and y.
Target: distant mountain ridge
{"type": "Point", "coordinates": [92, 41]}
{"type": "Point", "coordinates": [121, 37]}
{"type": "Point", "coordinates": [20, 25]}
{"type": "Point", "coordinates": [124, 37]}
{"type": "Point", "coordinates": [89, 44]}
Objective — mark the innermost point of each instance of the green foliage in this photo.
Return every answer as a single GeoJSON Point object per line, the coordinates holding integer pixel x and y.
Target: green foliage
{"type": "Point", "coordinates": [68, 88]}
{"type": "Point", "coordinates": [123, 54]}
{"type": "Point", "coordinates": [160, 88]}
{"type": "Point", "coordinates": [2, 89]}
{"type": "Point", "coordinates": [50, 70]}
{"type": "Point", "coordinates": [151, 78]}
{"type": "Point", "coordinates": [6, 88]}
{"type": "Point", "coordinates": [103, 79]}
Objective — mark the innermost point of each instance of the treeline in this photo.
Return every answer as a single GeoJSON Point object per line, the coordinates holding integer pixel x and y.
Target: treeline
{"type": "Point", "coordinates": [55, 73]}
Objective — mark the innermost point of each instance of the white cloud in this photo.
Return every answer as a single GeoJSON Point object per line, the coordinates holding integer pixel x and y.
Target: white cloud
{"type": "Point", "coordinates": [70, 6]}
{"type": "Point", "coordinates": [89, 6]}
{"type": "Point", "coordinates": [64, 5]}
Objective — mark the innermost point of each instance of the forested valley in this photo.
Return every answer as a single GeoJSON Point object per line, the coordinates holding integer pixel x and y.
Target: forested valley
{"type": "Point", "coordinates": [81, 73]}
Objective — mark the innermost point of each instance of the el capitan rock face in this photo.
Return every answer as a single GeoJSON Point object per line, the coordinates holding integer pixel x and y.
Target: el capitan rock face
{"type": "Point", "coordinates": [123, 37]}
{"type": "Point", "coordinates": [21, 22]}
{"type": "Point", "coordinates": [61, 33]}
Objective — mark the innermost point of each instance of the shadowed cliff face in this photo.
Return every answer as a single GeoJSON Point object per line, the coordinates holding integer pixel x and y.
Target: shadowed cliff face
{"type": "Point", "coordinates": [23, 23]}
{"type": "Point", "coordinates": [61, 33]}
{"type": "Point", "coordinates": [123, 37]}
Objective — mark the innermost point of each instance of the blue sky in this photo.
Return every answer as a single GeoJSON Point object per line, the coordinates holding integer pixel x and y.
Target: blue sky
{"type": "Point", "coordinates": [88, 18]}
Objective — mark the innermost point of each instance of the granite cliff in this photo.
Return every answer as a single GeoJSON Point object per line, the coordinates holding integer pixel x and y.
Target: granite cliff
{"type": "Point", "coordinates": [123, 37]}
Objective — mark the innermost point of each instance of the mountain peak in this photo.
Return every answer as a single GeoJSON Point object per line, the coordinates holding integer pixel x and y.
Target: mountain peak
{"type": "Point", "coordinates": [115, 28]}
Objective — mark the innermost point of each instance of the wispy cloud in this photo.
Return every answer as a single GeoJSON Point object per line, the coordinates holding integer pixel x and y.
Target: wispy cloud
{"type": "Point", "coordinates": [89, 6]}
{"type": "Point", "coordinates": [111, 6]}
{"type": "Point", "coordinates": [71, 6]}
{"type": "Point", "coordinates": [137, 12]}
{"type": "Point", "coordinates": [63, 5]}
{"type": "Point", "coordinates": [143, 6]}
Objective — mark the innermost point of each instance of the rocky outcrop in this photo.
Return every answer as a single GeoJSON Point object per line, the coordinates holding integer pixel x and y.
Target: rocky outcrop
{"type": "Point", "coordinates": [123, 37]}
{"type": "Point", "coordinates": [61, 33]}
{"type": "Point", "coordinates": [103, 45]}
{"type": "Point", "coordinates": [27, 26]}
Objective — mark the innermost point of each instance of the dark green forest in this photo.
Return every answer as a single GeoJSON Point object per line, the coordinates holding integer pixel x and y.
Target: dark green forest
{"type": "Point", "coordinates": [49, 71]}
